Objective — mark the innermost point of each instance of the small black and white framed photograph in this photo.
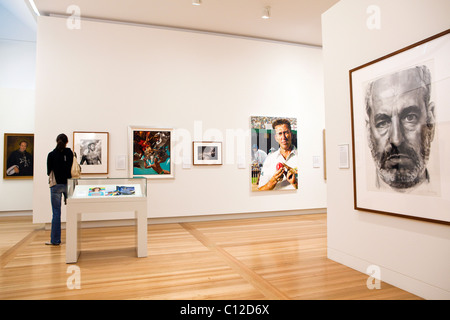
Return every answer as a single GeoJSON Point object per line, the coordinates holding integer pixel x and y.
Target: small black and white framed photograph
{"type": "Point", "coordinates": [207, 153]}
{"type": "Point", "coordinates": [91, 149]}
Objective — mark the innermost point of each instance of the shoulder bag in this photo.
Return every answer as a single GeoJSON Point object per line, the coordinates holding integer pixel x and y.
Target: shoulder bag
{"type": "Point", "coordinates": [76, 168]}
{"type": "Point", "coordinates": [51, 179]}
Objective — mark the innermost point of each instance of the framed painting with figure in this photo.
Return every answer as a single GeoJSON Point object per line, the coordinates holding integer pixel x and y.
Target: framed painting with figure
{"type": "Point", "coordinates": [92, 150]}
{"type": "Point", "coordinates": [401, 131]}
{"type": "Point", "coordinates": [18, 156]}
{"type": "Point", "coordinates": [274, 153]}
{"type": "Point", "coordinates": [150, 152]}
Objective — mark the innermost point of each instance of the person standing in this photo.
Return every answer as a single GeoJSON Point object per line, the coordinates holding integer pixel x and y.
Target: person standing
{"type": "Point", "coordinates": [258, 155]}
{"type": "Point", "coordinates": [59, 160]}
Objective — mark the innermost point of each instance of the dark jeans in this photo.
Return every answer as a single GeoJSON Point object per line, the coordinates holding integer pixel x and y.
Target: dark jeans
{"type": "Point", "coordinates": [56, 193]}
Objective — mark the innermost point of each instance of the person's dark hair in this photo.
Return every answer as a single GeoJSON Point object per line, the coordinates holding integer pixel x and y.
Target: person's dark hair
{"type": "Point", "coordinates": [61, 142]}
{"type": "Point", "coordinates": [279, 122]}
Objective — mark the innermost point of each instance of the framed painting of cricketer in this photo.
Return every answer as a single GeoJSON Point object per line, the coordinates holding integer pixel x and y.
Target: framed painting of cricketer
{"type": "Point", "coordinates": [150, 152]}
{"type": "Point", "coordinates": [92, 150]}
{"type": "Point", "coordinates": [18, 156]}
{"type": "Point", "coordinates": [207, 153]}
{"type": "Point", "coordinates": [274, 164]}
{"type": "Point", "coordinates": [401, 132]}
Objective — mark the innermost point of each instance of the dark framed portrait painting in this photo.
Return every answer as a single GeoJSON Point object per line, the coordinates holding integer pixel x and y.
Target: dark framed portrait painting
{"type": "Point", "coordinates": [401, 131]}
{"type": "Point", "coordinates": [18, 156]}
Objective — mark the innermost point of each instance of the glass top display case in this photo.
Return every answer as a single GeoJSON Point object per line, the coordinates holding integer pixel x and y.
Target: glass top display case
{"type": "Point", "coordinates": [86, 188]}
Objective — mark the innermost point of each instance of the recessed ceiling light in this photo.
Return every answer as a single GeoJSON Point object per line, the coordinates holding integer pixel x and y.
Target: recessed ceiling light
{"type": "Point", "coordinates": [196, 2]}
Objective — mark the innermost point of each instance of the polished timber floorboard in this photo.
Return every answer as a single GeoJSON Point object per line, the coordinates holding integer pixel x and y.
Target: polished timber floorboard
{"type": "Point", "coordinates": [275, 258]}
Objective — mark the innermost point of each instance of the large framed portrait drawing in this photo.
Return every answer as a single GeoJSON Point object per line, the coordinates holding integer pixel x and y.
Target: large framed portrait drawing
{"type": "Point", "coordinates": [150, 152]}
{"type": "Point", "coordinates": [401, 131]}
{"type": "Point", "coordinates": [18, 156]}
{"type": "Point", "coordinates": [92, 149]}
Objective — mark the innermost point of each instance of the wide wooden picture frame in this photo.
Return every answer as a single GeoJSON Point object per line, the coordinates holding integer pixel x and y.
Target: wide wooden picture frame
{"type": "Point", "coordinates": [92, 150]}
{"type": "Point", "coordinates": [18, 156]}
{"type": "Point", "coordinates": [150, 152]}
{"type": "Point", "coordinates": [207, 153]}
{"type": "Point", "coordinates": [400, 119]}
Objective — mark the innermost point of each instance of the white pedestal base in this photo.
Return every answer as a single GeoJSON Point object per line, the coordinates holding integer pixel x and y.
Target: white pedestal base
{"type": "Point", "coordinates": [76, 207]}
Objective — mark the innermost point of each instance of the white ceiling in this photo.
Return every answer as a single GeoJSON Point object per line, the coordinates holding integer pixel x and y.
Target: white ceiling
{"type": "Point", "coordinates": [297, 21]}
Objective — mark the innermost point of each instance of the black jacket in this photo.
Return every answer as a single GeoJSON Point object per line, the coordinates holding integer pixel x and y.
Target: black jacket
{"type": "Point", "coordinates": [23, 160]}
{"type": "Point", "coordinates": [61, 163]}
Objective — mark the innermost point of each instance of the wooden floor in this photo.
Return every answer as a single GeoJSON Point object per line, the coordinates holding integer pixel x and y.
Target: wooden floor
{"type": "Point", "coordinates": [253, 259]}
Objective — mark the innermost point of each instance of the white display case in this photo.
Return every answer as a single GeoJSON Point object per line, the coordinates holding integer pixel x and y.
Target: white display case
{"type": "Point", "coordinates": [105, 196]}
{"type": "Point", "coordinates": [106, 187]}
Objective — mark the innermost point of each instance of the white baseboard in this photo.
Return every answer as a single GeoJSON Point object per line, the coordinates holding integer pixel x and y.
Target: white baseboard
{"type": "Point", "coordinates": [230, 216]}
{"type": "Point", "coordinates": [187, 219]}
{"type": "Point", "coordinates": [395, 278]}
{"type": "Point", "coordinates": [16, 213]}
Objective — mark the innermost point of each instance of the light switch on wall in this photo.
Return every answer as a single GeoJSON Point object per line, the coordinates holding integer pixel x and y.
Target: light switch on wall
{"type": "Point", "coordinates": [343, 156]}
{"type": "Point", "coordinates": [121, 162]}
{"type": "Point", "coordinates": [186, 162]}
{"type": "Point", "coordinates": [241, 162]}
{"type": "Point", "coordinates": [316, 161]}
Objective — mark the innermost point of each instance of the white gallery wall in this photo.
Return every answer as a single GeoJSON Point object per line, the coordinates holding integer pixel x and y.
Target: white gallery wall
{"type": "Point", "coordinates": [104, 77]}
{"type": "Point", "coordinates": [17, 85]}
{"type": "Point", "coordinates": [410, 254]}
{"type": "Point", "coordinates": [17, 71]}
